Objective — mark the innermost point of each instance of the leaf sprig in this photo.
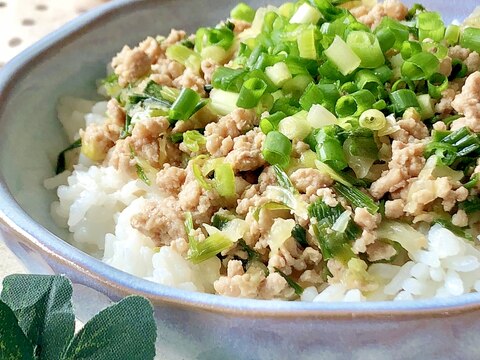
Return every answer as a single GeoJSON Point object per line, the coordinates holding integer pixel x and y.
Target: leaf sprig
{"type": "Point", "coordinates": [37, 322]}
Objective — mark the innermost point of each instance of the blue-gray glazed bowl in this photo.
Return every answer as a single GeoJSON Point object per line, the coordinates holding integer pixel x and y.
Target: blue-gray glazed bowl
{"type": "Point", "coordinates": [191, 325]}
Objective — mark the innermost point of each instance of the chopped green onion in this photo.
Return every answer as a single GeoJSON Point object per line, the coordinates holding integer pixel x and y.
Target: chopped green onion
{"type": "Point", "coordinates": [332, 243]}
{"type": "Point", "coordinates": [271, 122]}
{"type": "Point", "coordinates": [354, 104]}
{"type": "Point", "coordinates": [243, 12]}
{"type": "Point", "coordinates": [384, 73]}
{"type": "Point", "coordinates": [457, 230]}
{"type": "Point", "coordinates": [251, 92]}
{"type": "Point", "coordinates": [193, 140]}
{"type": "Point", "coordinates": [228, 79]}
{"type": "Point", "coordinates": [437, 83]}
{"type": "Point", "coordinates": [403, 99]}
{"type": "Point", "coordinates": [414, 11]}
{"type": "Point", "coordinates": [283, 179]}
{"type": "Point", "coordinates": [330, 152]}
{"type": "Point", "coordinates": [470, 39]}
{"type": "Point", "coordinates": [410, 48]}
{"type": "Point", "coordinates": [300, 235]}
{"type": "Point", "coordinates": [325, 169]}
{"type": "Point", "coordinates": [430, 25]}
{"type": "Point", "coordinates": [296, 87]}
{"type": "Point", "coordinates": [322, 94]}
{"type": "Point", "coordinates": [185, 105]}
{"type": "Point", "coordinates": [342, 56]}
{"type": "Point", "coordinates": [391, 34]}
{"type": "Point", "coordinates": [225, 180]}
{"type": "Point", "coordinates": [366, 46]}
{"type": "Point", "coordinates": [185, 56]}
{"type": "Point", "coordinates": [306, 44]}
{"type": "Point", "coordinates": [223, 102]}
{"type": "Point", "coordinates": [459, 69]}
{"type": "Point", "coordinates": [61, 163]}
{"type": "Point", "coordinates": [295, 126]}
{"type": "Point", "coordinates": [366, 80]}
{"type": "Point", "coordinates": [208, 248]}
{"type": "Point", "coordinates": [420, 66]}
{"type": "Point", "coordinates": [197, 172]}
{"type": "Point", "coordinates": [372, 119]}
{"type": "Point", "coordinates": [452, 35]}
{"type": "Point", "coordinates": [276, 149]}
{"type": "Point", "coordinates": [357, 198]}
{"type": "Point", "coordinates": [278, 73]}
{"type": "Point", "coordinates": [298, 289]}
{"type": "Point", "coordinates": [426, 106]}
{"type": "Point", "coordinates": [305, 14]}
{"type": "Point", "coordinates": [319, 116]}
{"type": "Point", "coordinates": [470, 206]}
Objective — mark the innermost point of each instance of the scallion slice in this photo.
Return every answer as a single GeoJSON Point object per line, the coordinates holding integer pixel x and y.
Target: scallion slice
{"type": "Point", "coordinates": [470, 39]}
{"type": "Point", "coordinates": [372, 119]}
{"type": "Point", "coordinates": [185, 105]}
{"type": "Point", "coordinates": [243, 12]}
{"type": "Point", "coordinates": [420, 66]}
{"type": "Point", "coordinates": [403, 99]}
{"type": "Point", "coordinates": [276, 149]}
{"type": "Point", "coordinates": [251, 93]}
{"type": "Point", "coordinates": [225, 180]}
{"type": "Point", "coordinates": [342, 56]}
{"type": "Point", "coordinates": [366, 46]}
{"type": "Point", "coordinates": [354, 104]}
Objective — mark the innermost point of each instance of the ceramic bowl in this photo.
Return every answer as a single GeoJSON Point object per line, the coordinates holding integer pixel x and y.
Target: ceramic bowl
{"type": "Point", "coordinates": [191, 325]}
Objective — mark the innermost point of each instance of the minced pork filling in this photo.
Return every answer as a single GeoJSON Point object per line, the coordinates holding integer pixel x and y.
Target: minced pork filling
{"type": "Point", "coordinates": [310, 151]}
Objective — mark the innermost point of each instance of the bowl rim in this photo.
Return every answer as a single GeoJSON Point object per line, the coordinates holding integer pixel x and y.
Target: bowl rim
{"type": "Point", "coordinates": [18, 223]}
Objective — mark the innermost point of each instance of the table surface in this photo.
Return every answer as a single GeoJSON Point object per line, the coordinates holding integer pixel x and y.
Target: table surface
{"type": "Point", "coordinates": [25, 22]}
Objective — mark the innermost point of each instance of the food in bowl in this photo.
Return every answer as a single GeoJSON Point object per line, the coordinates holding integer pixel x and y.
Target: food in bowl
{"type": "Point", "coordinates": [303, 152]}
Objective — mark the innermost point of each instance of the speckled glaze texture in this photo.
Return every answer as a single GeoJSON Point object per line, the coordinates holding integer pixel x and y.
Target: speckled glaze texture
{"type": "Point", "coordinates": [191, 325]}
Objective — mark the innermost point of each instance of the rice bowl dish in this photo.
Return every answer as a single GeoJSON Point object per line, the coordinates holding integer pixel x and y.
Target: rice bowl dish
{"type": "Point", "coordinates": [249, 160]}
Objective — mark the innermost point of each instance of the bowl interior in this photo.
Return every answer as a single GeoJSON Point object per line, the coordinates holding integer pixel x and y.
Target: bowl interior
{"type": "Point", "coordinates": [69, 62]}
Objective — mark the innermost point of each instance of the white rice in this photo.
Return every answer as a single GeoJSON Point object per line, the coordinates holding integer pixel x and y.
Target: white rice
{"type": "Point", "coordinates": [97, 203]}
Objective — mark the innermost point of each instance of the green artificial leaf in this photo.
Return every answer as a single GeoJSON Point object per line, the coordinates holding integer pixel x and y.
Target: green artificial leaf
{"type": "Point", "coordinates": [126, 330]}
{"type": "Point", "coordinates": [43, 307]}
{"type": "Point", "coordinates": [14, 345]}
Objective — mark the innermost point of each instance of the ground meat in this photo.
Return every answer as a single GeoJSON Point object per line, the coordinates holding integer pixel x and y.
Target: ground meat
{"type": "Point", "coordinates": [328, 196]}
{"type": "Point", "coordinates": [165, 71]}
{"type": "Point", "coordinates": [200, 202]}
{"type": "Point", "coordinates": [423, 192]}
{"type": "Point", "coordinates": [174, 37]}
{"type": "Point", "coordinates": [410, 129]}
{"type": "Point", "coordinates": [247, 151]}
{"type": "Point", "coordinates": [380, 251]}
{"type": "Point", "coordinates": [367, 238]}
{"type": "Point", "coordinates": [116, 113]}
{"type": "Point", "coordinates": [468, 104]}
{"type": "Point", "coordinates": [161, 221]}
{"type": "Point", "coordinates": [366, 220]}
{"type": "Point", "coordinates": [152, 48]}
{"type": "Point", "coordinates": [445, 67]}
{"type": "Point", "coordinates": [298, 148]}
{"type": "Point", "coordinates": [220, 135]}
{"type": "Point", "coordinates": [275, 286]}
{"type": "Point", "coordinates": [407, 162]}
{"type": "Point", "coordinates": [444, 106]}
{"type": "Point", "coordinates": [237, 283]}
{"type": "Point", "coordinates": [208, 68]}
{"type": "Point", "coordinates": [391, 8]}
{"type": "Point", "coordinates": [252, 196]}
{"type": "Point", "coordinates": [98, 139]}
{"type": "Point", "coordinates": [131, 65]}
{"type": "Point", "coordinates": [460, 218]}
{"type": "Point", "coordinates": [394, 208]}
{"type": "Point", "coordinates": [308, 181]}
{"type": "Point", "coordinates": [458, 52]}
{"type": "Point", "coordinates": [170, 180]}
{"type": "Point", "coordinates": [144, 139]}
{"type": "Point", "coordinates": [189, 79]}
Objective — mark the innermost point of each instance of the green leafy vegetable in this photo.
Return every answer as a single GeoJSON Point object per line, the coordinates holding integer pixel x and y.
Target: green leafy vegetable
{"type": "Point", "coordinates": [42, 305]}
{"type": "Point", "coordinates": [457, 230]}
{"type": "Point", "coordinates": [332, 243]}
{"type": "Point", "coordinates": [37, 322]}
{"type": "Point", "coordinates": [293, 284]}
{"type": "Point", "coordinates": [61, 163]}
{"type": "Point", "coordinates": [127, 327]}
{"type": "Point", "coordinates": [14, 344]}
{"type": "Point", "coordinates": [300, 235]}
